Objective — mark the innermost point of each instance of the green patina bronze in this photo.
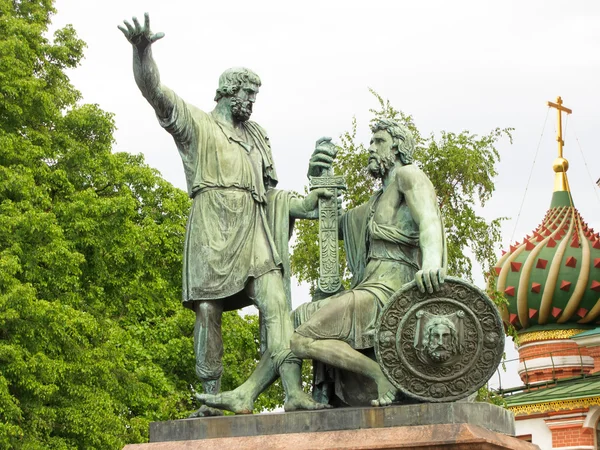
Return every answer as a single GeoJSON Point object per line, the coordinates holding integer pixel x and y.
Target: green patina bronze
{"type": "Point", "coordinates": [395, 238]}
{"type": "Point", "coordinates": [329, 281]}
{"type": "Point", "coordinates": [236, 245]}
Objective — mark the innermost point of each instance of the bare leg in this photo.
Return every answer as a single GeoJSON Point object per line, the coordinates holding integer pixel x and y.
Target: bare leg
{"type": "Point", "coordinates": [270, 298]}
{"type": "Point", "coordinates": [208, 348]}
{"type": "Point", "coordinates": [241, 400]}
{"type": "Point", "coordinates": [296, 399]}
{"type": "Point", "coordinates": [340, 354]}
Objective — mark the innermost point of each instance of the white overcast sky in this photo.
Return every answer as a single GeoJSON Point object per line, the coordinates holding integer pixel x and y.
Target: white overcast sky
{"type": "Point", "coordinates": [454, 65]}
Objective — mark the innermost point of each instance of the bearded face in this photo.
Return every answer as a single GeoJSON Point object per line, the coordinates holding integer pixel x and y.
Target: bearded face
{"type": "Point", "coordinates": [381, 154]}
{"type": "Point", "coordinates": [242, 100]}
{"type": "Point", "coordinates": [379, 166]}
{"type": "Point", "coordinates": [241, 110]}
{"type": "Point", "coordinates": [440, 343]}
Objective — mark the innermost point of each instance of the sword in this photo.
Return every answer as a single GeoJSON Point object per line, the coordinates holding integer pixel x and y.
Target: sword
{"type": "Point", "coordinates": [329, 266]}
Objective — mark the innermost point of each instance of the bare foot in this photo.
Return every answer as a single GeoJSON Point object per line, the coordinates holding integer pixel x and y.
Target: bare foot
{"type": "Point", "coordinates": [206, 411]}
{"type": "Point", "coordinates": [302, 401]}
{"type": "Point", "coordinates": [230, 400]}
{"type": "Point", "coordinates": [387, 393]}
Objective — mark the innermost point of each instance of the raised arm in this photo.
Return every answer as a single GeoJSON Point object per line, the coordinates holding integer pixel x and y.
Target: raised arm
{"type": "Point", "coordinates": [421, 200]}
{"type": "Point", "coordinates": [145, 70]}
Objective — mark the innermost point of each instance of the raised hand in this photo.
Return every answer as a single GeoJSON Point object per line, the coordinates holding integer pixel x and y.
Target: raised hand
{"type": "Point", "coordinates": [138, 35]}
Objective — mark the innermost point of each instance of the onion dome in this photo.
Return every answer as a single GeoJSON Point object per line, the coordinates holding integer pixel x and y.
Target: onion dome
{"type": "Point", "coordinates": [551, 278]}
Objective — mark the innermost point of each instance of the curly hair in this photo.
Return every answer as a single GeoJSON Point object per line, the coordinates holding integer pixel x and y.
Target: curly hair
{"type": "Point", "coordinates": [232, 80]}
{"type": "Point", "coordinates": [402, 138]}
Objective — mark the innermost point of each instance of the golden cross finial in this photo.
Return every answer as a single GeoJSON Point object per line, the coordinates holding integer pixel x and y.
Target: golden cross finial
{"type": "Point", "coordinates": [560, 165]}
{"type": "Point", "coordinates": [559, 109]}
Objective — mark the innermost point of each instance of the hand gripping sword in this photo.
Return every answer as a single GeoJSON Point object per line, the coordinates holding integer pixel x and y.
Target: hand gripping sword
{"type": "Point", "coordinates": [329, 267]}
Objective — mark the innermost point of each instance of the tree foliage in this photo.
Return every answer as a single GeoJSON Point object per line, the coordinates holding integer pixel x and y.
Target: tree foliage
{"type": "Point", "coordinates": [94, 342]}
{"type": "Point", "coordinates": [461, 167]}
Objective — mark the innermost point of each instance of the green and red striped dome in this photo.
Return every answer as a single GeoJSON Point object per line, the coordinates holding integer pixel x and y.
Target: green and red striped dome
{"type": "Point", "coordinates": [552, 277]}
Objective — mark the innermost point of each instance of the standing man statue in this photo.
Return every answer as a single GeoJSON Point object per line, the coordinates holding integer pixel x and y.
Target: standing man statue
{"type": "Point", "coordinates": [394, 238]}
{"type": "Point", "coordinates": [236, 244]}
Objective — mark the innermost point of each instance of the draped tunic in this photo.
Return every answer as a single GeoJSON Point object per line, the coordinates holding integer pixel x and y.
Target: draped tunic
{"type": "Point", "coordinates": [376, 253]}
{"type": "Point", "coordinates": [228, 236]}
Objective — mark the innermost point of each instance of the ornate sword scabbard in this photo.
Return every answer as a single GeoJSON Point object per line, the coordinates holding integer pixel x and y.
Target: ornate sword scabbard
{"type": "Point", "coordinates": [329, 267]}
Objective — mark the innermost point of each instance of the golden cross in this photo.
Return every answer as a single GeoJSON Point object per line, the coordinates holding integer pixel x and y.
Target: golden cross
{"type": "Point", "coordinates": [559, 109]}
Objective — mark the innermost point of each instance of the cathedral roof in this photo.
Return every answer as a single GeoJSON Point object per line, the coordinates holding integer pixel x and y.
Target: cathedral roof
{"type": "Point", "coordinates": [551, 278]}
{"type": "Point", "coordinates": [564, 394]}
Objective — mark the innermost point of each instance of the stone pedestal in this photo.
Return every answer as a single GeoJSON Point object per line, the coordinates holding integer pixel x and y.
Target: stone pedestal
{"type": "Point", "coordinates": [426, 426]}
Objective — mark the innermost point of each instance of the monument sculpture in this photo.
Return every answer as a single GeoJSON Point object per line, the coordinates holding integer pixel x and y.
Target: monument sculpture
{"type": "Point", "coordinates": [435, 338]}
{"type": "Point", "coordinates": [404, 332]}
{"type": "Point", "coordinates": [423, 326]}
{"type": "Point", "coordinates": [236, 244]}
{"type": "Point", "coordinates": [405, 327]}
{"type": "Point", "coordinates": [393, 239]}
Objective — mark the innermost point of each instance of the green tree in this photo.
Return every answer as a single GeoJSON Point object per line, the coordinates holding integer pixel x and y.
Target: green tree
{"type": "Point", "coordinates": [461, 167]}
{"type": "Point", "coordinates": [94, 342]}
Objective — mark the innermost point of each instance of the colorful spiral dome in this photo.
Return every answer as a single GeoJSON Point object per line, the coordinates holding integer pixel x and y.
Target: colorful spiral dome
{"type": "Point", "coordinates": [552, 277]}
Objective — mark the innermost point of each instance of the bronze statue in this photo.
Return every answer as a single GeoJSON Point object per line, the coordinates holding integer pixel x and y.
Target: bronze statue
{"type": "Point", "coordinates": [236, 245]}
{"type": "Point", "coordinates": [396, 237]}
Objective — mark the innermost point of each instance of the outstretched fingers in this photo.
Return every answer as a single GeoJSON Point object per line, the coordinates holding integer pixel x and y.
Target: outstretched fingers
{"type": "Point", "coordinates": [157, 36]}
{"type": "Point", "coordinates": [123, 30]}
{"type": "Point", "coordinates": [137, 33]}
{"type": "Point", "coordinates": [127, 29]}
{"type": "Point", "coordinates": [138, 27]}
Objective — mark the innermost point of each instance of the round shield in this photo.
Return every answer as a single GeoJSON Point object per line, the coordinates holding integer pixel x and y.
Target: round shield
{"type": "Point", "coordinates": [439, 347]}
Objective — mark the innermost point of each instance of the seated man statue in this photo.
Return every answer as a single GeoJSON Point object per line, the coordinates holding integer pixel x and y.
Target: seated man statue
{"type": "Point", "coordinates": [395, 237]}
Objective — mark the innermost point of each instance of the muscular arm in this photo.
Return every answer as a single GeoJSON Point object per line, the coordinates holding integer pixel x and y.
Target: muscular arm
{"type": "Point", "coordinates": [147, 78]}
{"type": "Point", "coordinates": [298, 210]}
{"type": "Point", "coordinates": [421, 200]}
{"type": "Point", "coordinates": [308, 207]}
